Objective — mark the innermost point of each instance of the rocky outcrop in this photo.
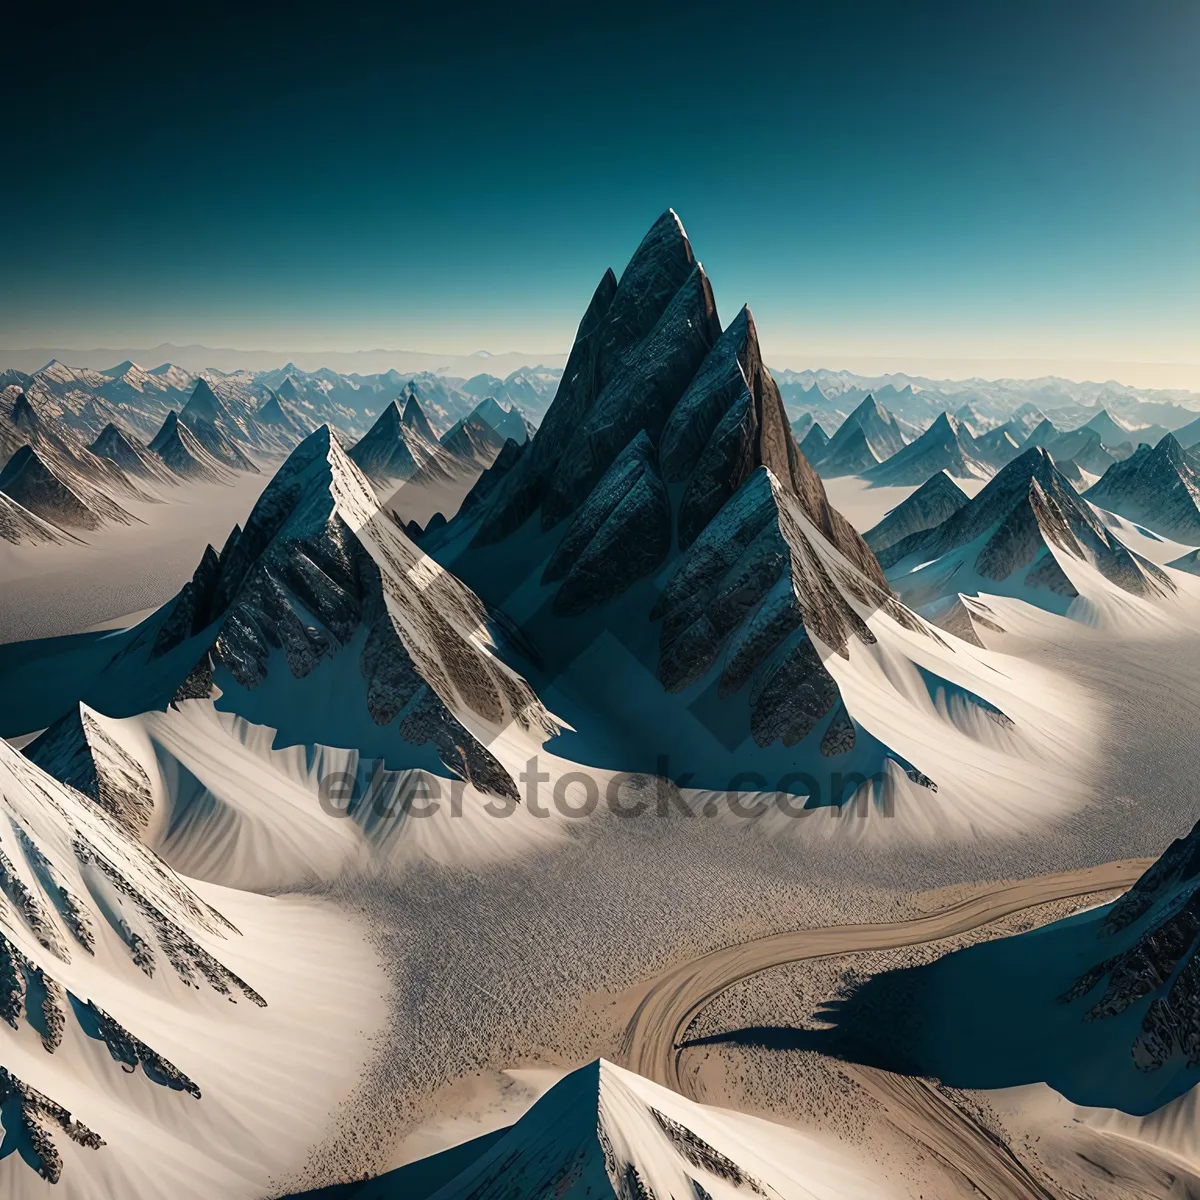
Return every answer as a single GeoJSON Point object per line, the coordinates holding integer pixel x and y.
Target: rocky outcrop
{"type": "Point", "coordinates": [645, 385]}
{"type": "Point", "coordinates": [36, 1115]}
{"type": "Point", "coordinates": [749, 590]}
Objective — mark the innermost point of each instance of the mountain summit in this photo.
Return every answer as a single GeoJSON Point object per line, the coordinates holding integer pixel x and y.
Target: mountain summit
{"type": "Point", "coordinates": [670, 556]}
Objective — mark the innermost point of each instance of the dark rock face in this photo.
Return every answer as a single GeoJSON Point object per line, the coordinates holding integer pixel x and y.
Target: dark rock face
{"type": "Point", "coordinates": [521, 491]}
{"type": "Point", "coordinates": [1160, 964]}
{"type": "Point", "coordinates": [937, 499]}
{"type": "Point", "coordinates": [485, 486]}
{"type": "Point", "coordinates": [748, 591]}
{"type": "Point", "coordinates": [620, 534]}
{"type": "Point", "coordinates": [644, 387]}
{"type": "Point", "coordinates": [36, 1115]}
{"type": "Point", "coordinates": [656, 272]}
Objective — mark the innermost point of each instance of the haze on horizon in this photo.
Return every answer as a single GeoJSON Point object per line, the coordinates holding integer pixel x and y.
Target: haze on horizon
{"type": "Point", "coordinates": [944, 191]}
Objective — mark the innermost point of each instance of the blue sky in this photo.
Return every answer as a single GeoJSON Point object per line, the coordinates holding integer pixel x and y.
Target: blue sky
{"type": "Point", "coordinates": [892, 185]}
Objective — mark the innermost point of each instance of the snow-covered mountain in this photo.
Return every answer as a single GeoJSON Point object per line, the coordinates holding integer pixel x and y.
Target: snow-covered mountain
{"type": "Point", "coordinates": [323, 621]}
{"type": "Point", "coordinates": [1117, 435]}
{"type": "Point", "coordinates": [481, 436]}
{"type": "Point", "coordinates": [180, 450]}
{"type": "Point", "coordinates": [680, 580]}
{"type": "Point", "coordinates": [606, 1133]}
{"type": "Point", "coordinates": [52, 491]}
{"type": "Point", "coordinates": [998, 447]}
{"type": "Point", "coordinates": [126, 451]}
{"type": "Point", "coordinates": [935, 501]}
{"type": "Point", "coordinates": [1158, 487]}
{"type": "Point", "coordinates": [395, 449]}
{"type": "Point", "coordinates": [868, 435]}
{"type": "Point", "coordinates": [814, 442]}
{"type": "Point", "coordinates": [1026, 534]}
{"type": "Point", "coordinates": [945, 446]}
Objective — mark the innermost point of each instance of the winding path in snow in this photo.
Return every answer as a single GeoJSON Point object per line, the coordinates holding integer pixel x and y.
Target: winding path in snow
{"type": "Point", "coordinates": [669, 1004]}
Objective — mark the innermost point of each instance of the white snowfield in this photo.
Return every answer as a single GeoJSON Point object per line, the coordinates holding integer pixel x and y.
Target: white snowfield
{"type": "Point", "coordinates": [163, 1037]}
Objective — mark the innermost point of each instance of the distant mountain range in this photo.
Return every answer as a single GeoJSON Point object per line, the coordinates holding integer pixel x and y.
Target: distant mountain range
{"type": "Point", "coordinates": [80, 448]}
{"type": "Point", "coordinates": [831, 396]}
{"type": "Point", "coordinates": [197, 358]}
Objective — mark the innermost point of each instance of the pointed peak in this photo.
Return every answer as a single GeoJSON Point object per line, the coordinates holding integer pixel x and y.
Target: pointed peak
{"type": "Point", "coordinates": [111, 436]}
{"type": "Point", "coordinates": [414, 417]}
{"type": "Point", "coordinates": [1169, 447]}
{"type": "Point", "coordinates": [939, 483]}
{"type": "Point", "coordinates": [869, 404]}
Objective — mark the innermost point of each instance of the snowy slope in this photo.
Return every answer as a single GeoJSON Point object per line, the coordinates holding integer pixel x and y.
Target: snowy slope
{"type": "Point", "coordinates": [145, 1038]}
{"type": "Point", "coordinates": [605, 1132]}
{"type": "Point", "coordinates": [1027, 535]}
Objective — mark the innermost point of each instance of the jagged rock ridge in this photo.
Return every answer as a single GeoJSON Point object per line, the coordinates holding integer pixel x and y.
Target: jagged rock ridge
{"type": "Point", "coordinates": [1158, 487]}
{"type": "Point", "coordinates": [1009, 534]}
{"type": "Point", "coordinates": [319, 566]}
{"type": "Point", "coordinates": [1160, 965]}
{"type": "Point", "coordinates": [665, 481]}
{"type": "Point", "coordinates": [946, 445]}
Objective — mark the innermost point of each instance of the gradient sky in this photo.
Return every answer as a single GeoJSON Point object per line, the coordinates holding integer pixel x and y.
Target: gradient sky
{"type": "Point", "coordinates": [886, 185]}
